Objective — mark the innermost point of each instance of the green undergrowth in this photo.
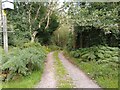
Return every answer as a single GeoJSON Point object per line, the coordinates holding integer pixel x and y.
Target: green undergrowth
{"type": "Point", "coordinates": [63, 79]}
{"type": "Point", "coordinates": [24, 82]}
{"type": "Point", "coordinates": [54, 47]}
{"type": "Point", "coordinates": [25, 62]}
{"type": "Point", "coordinates": [100, 63]}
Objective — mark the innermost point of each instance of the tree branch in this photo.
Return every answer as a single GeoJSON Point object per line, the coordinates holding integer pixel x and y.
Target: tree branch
{"type": "Point", "coordinates": [29, 16]}
{"type": "Point", "coordinates": [37, 13]}
{"type": "Point", "coordinates": [48, 19]}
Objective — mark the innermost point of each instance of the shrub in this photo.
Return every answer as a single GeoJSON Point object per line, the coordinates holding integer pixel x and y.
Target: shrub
{"type": "Point", "coordinates": [26, 45]}
{"type": "Point", "coordinates": [23, 61]}
{"type": "Point", "coordinates": [101, 54]}
{"type": "Point", "coordinates": [75, 54]}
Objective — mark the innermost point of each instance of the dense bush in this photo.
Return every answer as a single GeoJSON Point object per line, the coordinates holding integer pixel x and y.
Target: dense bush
{"type": "Point", "coordinates": [23, 61]}
{"type": "Point", "coordinates": [75, 54]}
{"type": "Point", "coordinates": [101, 54]}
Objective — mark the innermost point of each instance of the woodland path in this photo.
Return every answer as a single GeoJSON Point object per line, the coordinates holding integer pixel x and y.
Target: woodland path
{"type": "Point", "coordinates": [79, 78]}
{"type": "Point", "coordinates": [48, 77]}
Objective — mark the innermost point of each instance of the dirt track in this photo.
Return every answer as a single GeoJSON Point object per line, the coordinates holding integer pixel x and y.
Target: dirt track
{"type": "Point", "coordinates": [48, 77]}
{"type": "Point", "coordinates": [80, 80]}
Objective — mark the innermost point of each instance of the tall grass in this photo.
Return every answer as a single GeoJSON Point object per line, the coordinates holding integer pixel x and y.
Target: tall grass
{"type": "Point", "coordinates": [24, 82]}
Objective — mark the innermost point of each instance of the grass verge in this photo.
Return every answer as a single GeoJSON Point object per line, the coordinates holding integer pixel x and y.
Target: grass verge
{"type": "Point", "coordinates": [63, 79]}
{"type": "Point", "coordinates": [24, 82]}
{"type": "Point", "coordinates": [94, 72]}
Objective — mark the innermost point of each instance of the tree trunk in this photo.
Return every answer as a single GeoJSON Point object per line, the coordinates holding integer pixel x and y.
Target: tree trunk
{"type": "Point", "coordinates": [74, 41]}
{"type": "Point", "coordinates": [33, 36]}
{"type": "Point", "coordinates": [32, 39]}
{"type": "Point", "coordinates": [81, 40]}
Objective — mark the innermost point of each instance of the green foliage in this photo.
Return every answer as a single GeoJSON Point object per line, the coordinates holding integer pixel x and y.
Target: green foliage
{"type": "Point", "coordinates": [45, 36]}
{"type": "Point", "coordinates": [23, 61]}
{"type": "Point", "coordinates": [103, 16]}
{"type": "Point", "coordinates": [105, 75]}
{"type": "Point", "coordinates": [54, 47]}
{"type": "Point", "coordinates": [86, 36]}
{"type": "Point", "coordinates": [60, 36]}
{"type": "Point", "coordinates": [27, 45]}
{"type": "Point", "coordinates": [75, 54]}
{"type": "Point", "coordinates": [26, 18]}
{"type": "Point", "coordinates": [70, 42]}
{"type": "Point", "coordinates": [1, 49]}
{"type": "Point", "coordinates": [93, 14]}
{"type": "Point", "coordinates": [101, 54]}
{"type": "Point", "coordinates": [24, 81]}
